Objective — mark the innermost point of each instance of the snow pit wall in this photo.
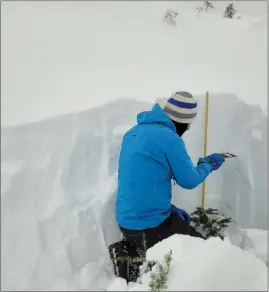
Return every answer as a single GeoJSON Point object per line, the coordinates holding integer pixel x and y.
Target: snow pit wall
{"type": "Point", "coordinates": [58, 183]}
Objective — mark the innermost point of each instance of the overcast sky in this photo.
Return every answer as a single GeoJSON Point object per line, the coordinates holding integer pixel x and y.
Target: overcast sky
{"type": "Point", "coordinates": [61, 57]}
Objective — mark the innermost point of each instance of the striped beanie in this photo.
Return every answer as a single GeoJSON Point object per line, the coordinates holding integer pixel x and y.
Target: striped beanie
{"type": "Point", "coordinates": [181, 107]}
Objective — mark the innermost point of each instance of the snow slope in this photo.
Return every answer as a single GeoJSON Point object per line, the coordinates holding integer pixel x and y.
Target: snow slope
{"type": "Point", "coordinates": [59, 178]}
{"type": "Point", "coordinates": [90, 52]}
{"type": "Point", "coordinates": [228, 268]}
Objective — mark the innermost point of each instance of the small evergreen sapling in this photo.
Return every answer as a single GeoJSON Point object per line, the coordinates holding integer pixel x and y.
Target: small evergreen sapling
{"type": "Point", "coordinates": [207, 5]}
{"type": "Point", "coordinates": [158, 278]}
{"type": "Point", "coordinates": [209, 222]}
{"type": "Point", "coordinates": [147, 265]}
{"type": "Point", "coordinates": [170, 16]}
{"type": "Point", "coordinates": [229, 11]}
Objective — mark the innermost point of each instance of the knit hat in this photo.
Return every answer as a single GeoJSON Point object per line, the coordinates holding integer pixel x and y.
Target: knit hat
{"type": "Point", "coordinates": [181, 107]}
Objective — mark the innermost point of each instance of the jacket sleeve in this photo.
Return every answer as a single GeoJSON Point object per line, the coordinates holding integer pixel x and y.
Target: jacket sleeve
{"type": "Point", "coordinates": [185, 173]}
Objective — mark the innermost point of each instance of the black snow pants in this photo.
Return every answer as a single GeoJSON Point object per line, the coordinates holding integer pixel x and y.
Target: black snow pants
{"type": "Point", "coordinates": [172, 225]}
{"type": "Point", "coordinates": [136, 242]}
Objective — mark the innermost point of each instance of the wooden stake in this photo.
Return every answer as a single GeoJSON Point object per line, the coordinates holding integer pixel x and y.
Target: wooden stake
{"type": "Point", "coordinates": [205, 143]}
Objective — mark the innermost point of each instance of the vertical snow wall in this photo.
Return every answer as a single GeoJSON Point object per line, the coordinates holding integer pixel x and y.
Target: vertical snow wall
{"type": "Point", "coordinates": [58, 182]}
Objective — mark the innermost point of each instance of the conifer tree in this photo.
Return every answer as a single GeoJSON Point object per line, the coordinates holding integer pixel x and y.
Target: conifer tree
{"type": "Point", "coordinates": [207, 5]}
{"type": "Point", "coordinates": [158, 278]}
{"type": "Point", "coordinates": [210, 222]}
{"type": "Point", "coordinates": [229, 11]}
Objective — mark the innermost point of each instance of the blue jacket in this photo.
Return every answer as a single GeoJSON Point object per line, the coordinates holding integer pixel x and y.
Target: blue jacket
{"type": "Point", "coordinates": [152, 154]}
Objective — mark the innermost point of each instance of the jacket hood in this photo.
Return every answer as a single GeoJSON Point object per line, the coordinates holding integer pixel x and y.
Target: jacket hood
{"type": "Point", "coordinates": [156, 116]}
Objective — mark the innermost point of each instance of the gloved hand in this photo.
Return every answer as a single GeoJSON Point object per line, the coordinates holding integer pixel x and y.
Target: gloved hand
{"type": "Point", "coordinates": [181, 213]}
{"type": "Point", "coordinates": [215, 159]}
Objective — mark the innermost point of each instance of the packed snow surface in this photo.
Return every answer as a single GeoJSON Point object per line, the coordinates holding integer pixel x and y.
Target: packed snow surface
{"type": "Point", "coordinates": [84, 53]}
{"type": "Point", "coordinates": [199, 265]}
{"type": "Point", "coordinates": [256, 241]}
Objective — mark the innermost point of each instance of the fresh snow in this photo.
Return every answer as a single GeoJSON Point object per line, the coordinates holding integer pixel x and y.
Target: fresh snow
{"type": "Point", "coordinates": [59, 176]}
{"type": "Point", "coordinates": [255, 241]}
{"type": "Point", "coordinates": [83, 54]}
{"type": "Point", "coordinates": [228, 268]}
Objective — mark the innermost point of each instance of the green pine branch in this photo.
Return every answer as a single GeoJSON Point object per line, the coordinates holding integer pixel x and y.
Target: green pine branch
{"type": "Point", "coordinates": [158, 279]}
{"type": "Point", "coordinates": [210, 221]}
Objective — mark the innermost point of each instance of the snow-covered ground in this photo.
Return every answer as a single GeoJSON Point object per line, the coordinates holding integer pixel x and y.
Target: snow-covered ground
{"type": "Point", "coordinates": [58, 176]}
{"type": "Point", "coordinates": [76, 55]}
{"type": "Point", "coordinates": [227, 268]}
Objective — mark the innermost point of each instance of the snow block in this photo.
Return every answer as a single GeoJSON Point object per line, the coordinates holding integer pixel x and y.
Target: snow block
{"type": "Point", "coordinates": [213, 264]}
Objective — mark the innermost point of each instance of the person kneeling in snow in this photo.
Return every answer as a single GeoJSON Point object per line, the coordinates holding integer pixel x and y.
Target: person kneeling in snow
{"type": "Point", "coordinates": [152, 155]}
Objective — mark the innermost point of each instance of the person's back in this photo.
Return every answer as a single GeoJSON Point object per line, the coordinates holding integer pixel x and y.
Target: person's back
{"type": "Point", "coordinates": [144, 180]}
{"type": "Point", "coordinates": [152, 155]}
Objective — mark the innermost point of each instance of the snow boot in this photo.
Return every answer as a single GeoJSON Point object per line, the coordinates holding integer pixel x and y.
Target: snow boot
{"type": "Point", "coordinates": [126, 260]}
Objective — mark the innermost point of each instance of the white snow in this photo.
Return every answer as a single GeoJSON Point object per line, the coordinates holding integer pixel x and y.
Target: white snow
{"type": "Point", "coordinates": [256, 241]}
{"type": "Point", "coordinates": [211, 265]}
{"type": "Point", "coordinates": [58, 176]}
{"type": "Point", "coordinates": [118, 284]}
{"type": "Point", "coordinates": [90, 52]}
